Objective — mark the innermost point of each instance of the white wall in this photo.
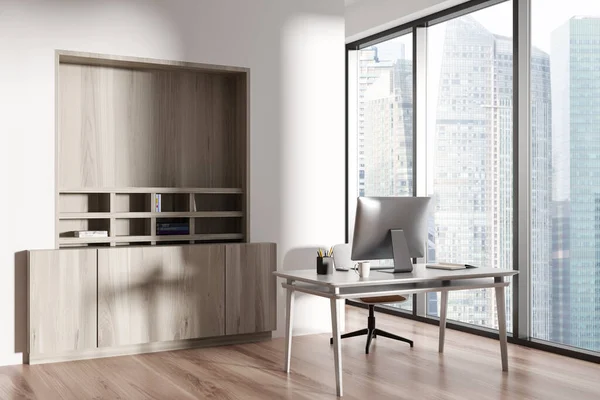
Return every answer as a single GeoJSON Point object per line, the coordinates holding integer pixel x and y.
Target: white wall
{"type": "Point", "coordinates": [367, 17]}
{"type": "Point", "coordinates": [295, 50]}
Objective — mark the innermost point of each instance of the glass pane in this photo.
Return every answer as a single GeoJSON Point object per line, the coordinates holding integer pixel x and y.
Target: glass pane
{"type": "Point", "coordinates": [565, 178]}
{"type": "Point", "coordinates": [470, 163]}
{"type": "Point", "coordinates": [385, 108]}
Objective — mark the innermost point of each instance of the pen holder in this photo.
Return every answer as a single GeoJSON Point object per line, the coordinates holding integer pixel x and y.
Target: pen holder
{"type": "Point", "coordinates": [324, 265]}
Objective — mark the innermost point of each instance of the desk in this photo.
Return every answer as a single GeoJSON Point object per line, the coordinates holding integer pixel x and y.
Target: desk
{"type": "Point", "coordinates": [348, 285]}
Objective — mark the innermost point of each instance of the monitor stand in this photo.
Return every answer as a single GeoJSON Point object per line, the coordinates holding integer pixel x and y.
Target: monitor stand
{"type": "Point", "coordinates": [402, 260]}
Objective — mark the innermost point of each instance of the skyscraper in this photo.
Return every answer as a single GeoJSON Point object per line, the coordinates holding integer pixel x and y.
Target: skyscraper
{"type": "Point", "coordinates": [385, 121]}
{"type": "Point", "coordinates": [575, 49]}
{"type": "Point", "coordinates": [541, 195]}
{"type": "Point", "coordinates": [474, 161]}
{"type": "Point", "coordinates": [473, 115]}
{"type": "Point", "coordinates": [388, 136]}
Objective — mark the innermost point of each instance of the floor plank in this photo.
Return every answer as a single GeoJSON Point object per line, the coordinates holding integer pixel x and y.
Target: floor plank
{"type": "Point", "coordinates": [469, 369]}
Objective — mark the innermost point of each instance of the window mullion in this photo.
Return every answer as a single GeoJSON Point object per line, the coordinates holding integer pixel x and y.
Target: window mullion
{"type": "Point", "coordinates": [522, 166]}
{"type": "Point", "coordinates": [420, 133]}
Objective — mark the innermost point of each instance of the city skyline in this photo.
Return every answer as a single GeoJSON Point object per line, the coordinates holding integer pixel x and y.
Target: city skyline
{"type": "Point", "coordinates": [473, 144]}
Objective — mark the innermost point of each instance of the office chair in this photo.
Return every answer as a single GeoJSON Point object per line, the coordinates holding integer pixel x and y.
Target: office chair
{"type": "Point", "coordinates": [341, 259]}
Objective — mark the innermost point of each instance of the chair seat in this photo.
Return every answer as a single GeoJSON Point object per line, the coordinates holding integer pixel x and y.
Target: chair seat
{"type": "Point", "coordinates": [383, 299]}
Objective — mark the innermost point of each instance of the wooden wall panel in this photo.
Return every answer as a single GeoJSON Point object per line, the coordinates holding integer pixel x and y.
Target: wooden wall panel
{"type": "Point", "coordinates": [123, 127]}
{"type": "Point", "coordinates": [136, 148]}
{"type": "Point", "coordinates": [150, 294]}
{"type": "Point", "coordinates": [62, 301]}
{"type": "Point", "coordinates": [86, 126]}
{"type": "Point", "coordinates": [250, 292]}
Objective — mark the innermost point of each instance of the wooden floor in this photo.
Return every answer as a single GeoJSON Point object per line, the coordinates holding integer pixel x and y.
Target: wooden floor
{"type": "Point", "coordinates": [469, 369]}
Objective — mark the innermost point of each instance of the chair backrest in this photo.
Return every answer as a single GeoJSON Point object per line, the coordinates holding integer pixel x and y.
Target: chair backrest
{"type": "Point", "coordinates": [341, 255]}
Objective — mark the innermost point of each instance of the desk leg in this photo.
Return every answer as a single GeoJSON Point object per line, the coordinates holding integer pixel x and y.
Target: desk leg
{"type": "Point", "coordinates": [337, 346]}
{"type": "Point", "coordinates": [288, 328]}
{"type": "Point", "coordinates": [443, 313]}
{"type": "Point", "coordinates": [500, 305]}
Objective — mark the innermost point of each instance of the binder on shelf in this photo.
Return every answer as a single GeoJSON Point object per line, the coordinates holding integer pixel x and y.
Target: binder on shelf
{"type": "Point", "coordinates": [157, 203]}
{"type": "Point", "coordinates": [172, 228]}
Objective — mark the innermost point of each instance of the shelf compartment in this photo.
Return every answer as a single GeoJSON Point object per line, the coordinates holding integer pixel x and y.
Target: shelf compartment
{"type": "Point", "coordinates": [83, 202]}
{"type": "Point", "coordinates": [217, 225]}
{"type": "Point", "coordinates": [217, 202]}
{"type": "Point", "coordinates": [132, 202]}
{"type": "Point", "coordinates": [174, 202]}
{"type": "Point", "coordinates": [67, 227]}
{"type": "Point", "coordinates": [132, 227]}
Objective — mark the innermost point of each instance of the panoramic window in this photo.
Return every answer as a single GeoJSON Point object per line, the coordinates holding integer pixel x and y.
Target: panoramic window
{"type": "Point", "coordinates": [565, 172]}
{"type": "Point", "coordinates": [461, 134]}
{"type": "Point", "coordinates": [469, 76]}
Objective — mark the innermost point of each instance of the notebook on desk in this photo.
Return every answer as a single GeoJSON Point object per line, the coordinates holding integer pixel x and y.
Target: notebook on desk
{"type": "Point", "coordinates": [449, 266]}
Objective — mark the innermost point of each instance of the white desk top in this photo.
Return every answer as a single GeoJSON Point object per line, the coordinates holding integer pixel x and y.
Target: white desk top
{"type": "Point", "coordinates": [419, 274]}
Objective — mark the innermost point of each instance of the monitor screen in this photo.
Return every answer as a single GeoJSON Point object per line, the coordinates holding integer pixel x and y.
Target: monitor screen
{"type": "Point", "coordinates": [377, 216]}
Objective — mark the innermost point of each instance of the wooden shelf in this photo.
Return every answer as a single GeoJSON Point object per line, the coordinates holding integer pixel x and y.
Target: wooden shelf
{"type": "Point", "coordinates": [85, 215]}
{"type": "Point", "coordinates": [174, 214]}
{"type": "Point", "coordinates": [157, 238]}
{"type": "Point", "coordinates": [176, 238]}
{"type": "Point", "coordinates": [160, 190]}
{"type": "Point", "coordinates": [75, 240]}
{"type": "Point", "coordinates": [199, 214]}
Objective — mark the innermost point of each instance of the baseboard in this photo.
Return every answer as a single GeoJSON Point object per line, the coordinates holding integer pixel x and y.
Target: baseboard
{"type": "Point", "coordinates": [11, 359]}
{"type": "Point", "coordinates": [149, 348]}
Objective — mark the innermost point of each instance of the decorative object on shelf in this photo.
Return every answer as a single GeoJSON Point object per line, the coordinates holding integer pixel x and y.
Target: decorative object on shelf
{"type": "Point", "coordinates": [325, 262]}
{"type": "Point", "coordinates": [90, 234]}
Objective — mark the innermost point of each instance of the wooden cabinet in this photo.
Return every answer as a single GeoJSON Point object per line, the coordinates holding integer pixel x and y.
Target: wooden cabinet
{"type": "Point", "coordinates": [250, 290]}
{"type": "Point", "coordinates": [62, 301]}
{"type": "Point", "coordinates": [86, 303]}
{"type": "Point", "coordinates": [154, 294]}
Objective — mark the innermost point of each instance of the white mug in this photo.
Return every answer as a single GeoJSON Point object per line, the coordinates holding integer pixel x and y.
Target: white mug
{"type": "Point", "coordinates": [363, 269]}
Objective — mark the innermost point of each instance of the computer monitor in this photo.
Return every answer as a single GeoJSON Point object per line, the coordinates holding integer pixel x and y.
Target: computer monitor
{"type": "Point", "coordinates": [390, 228]}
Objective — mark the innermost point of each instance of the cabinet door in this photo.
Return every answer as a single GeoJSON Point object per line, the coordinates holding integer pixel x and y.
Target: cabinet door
{"type": "Point", "coordinates": [62, 301]}
{"type": "Point", "coordinates": [151, 294]}
{"type": "Point", "coordinates": [250, 289]}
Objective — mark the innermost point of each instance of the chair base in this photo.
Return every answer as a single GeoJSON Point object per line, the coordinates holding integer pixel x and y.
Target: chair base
{"type": "Point", "coordinates": [372, 332]}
